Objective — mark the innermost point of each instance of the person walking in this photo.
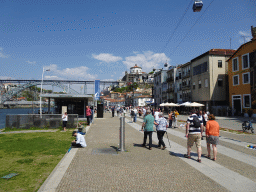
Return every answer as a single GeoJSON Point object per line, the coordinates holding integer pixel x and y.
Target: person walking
{"type": "Point", "coordinates": [88, 114]}
{"type": "Point", "coordinates": [64, 120]}
{"type": "Point", "coordinates": [92, 112]}
{"type": "Point", "coordinates": [132, 115]}
{"type": "Point", "coordinates": [156, 115]}
{"type": "Point", "coordinates": [176, 113]}
{"type": "Point", "coordinates": [200, 115]}
{"type": "Point", "coordinates": [161, 125]}
{"type": "Point", "coordinates": [194, 133]}
{"type": "Point", "coordinates": [170, 118]}
{"type": "Point", "coordinates": [113, 111]}
{"type": "Point", "coordinates": [148, 128]}
{"type": "Point", "coordinates": [212, 136]}
{"type": "Point", "coordinates": [135, 114]}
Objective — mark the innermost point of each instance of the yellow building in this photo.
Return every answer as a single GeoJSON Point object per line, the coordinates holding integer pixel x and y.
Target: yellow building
{"type": "Point", "coordinates": [240, 78]}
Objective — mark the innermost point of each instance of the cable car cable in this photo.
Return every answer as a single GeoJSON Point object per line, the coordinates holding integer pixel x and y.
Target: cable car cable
{"type": "Point", "coordinates": [178, 24]}
{"type": "Point", "coordinates": [192, 27]}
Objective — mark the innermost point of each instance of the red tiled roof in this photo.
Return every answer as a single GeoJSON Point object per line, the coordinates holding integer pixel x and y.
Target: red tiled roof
{"type": "Point", "coordinates": [222, 52]}
{"type": "Point", "coordinates": [144, 96]}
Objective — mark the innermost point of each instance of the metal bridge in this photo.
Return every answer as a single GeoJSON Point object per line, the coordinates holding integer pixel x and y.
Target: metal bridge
{"type": "Point", "coordinates": [24, 84]}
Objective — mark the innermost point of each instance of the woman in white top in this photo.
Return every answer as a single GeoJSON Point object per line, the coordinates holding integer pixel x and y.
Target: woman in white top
{"type": "Point", "coordinates": [65, 120]}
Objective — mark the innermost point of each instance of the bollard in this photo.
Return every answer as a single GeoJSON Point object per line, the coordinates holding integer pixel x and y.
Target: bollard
{"type": "Point", "coordinates": [122, 135]}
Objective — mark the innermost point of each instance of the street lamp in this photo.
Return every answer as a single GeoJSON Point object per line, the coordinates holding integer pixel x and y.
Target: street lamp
{"type": "Point", "coordinates": [41, 91]}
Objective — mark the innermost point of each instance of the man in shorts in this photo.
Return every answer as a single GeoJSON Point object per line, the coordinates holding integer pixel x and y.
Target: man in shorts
{"type": "Point", "coordinates": [194, 133]}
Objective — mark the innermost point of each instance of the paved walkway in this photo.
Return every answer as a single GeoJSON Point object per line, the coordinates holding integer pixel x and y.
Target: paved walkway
{"type": "Point", "coordinates": [98, 167]}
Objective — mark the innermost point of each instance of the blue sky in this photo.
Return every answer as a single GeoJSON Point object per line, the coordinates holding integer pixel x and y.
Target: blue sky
{"type": "Point", "coordinates": [101, 39]}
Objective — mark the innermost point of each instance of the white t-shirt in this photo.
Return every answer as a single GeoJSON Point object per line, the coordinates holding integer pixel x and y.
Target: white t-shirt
{"type": "Point", "coordinates": [205, 117]}
{"type": "Point", "coordinates": [144, 111]}
{"type": "Point", "coordinates": [80, 140]}
{"type": "Point", "coordinates": [65, 117]}
{"type": "Point", "coordinates": [156, 115]}
{"type": "Point", "coordinates": [135, 111]}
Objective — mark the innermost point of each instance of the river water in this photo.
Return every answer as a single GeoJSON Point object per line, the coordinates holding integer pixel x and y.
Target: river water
{"type": "Point", "coordinates": [4, 112]}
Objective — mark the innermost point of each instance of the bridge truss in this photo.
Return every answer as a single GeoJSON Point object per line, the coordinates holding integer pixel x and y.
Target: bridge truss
{"type": "Point", "coordinates": [24, 84]}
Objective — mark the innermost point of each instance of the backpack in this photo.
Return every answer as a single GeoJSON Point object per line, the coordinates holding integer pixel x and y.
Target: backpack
{"type": "Point", "coordinates": [132, 113]}
{"type": "Point", "coordinates": [173, 116]}
{"type": "Point", "coordinates": [196, 122]}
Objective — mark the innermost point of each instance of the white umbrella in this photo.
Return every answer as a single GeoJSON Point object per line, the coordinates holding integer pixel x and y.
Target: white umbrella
{"type": "Point", "coordinates": [186, 104]}
{"type": "Point", "coordinates": [163, 104]}
{"type": "Point", "coordinates": [195, 104]}
{"type": "Point", "coordinates": [171, 105]}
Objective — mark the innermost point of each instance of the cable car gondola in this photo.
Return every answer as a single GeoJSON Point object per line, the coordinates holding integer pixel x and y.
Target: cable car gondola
{"type": "Point", "coordinates": [197, 6]}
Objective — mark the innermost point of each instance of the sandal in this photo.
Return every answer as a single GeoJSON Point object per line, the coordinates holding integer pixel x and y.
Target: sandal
{"type": "Point", "coordinates": [186, 156]}
{"type": "Point", "coordinates": [214, 159]}
{"type": "Point", "coordinates": [199, 160]}
{"type": "Point", "coordinates": [208, 156]}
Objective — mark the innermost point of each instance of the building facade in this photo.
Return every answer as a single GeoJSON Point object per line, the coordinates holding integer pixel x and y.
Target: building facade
{"type": "Point", "coordinates": [186, 82]}
{"type": "Point", "coordinates": [209, 78]}
{"type": "Point", "coordinates": [160, 77]}
{"type": "Point", "coordinates": [241, 74]}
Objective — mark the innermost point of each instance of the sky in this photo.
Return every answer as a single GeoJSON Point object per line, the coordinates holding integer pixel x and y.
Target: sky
{"type": "Point", "coordinates": [101, 39]}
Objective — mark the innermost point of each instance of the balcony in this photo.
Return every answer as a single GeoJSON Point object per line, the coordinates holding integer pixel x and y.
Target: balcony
{"type": "Point", "coordinates": [186, 75]}
{"type": "Point", "coordinates": [186, 86]}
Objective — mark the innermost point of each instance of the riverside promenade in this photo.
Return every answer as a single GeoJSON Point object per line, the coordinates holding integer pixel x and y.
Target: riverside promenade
{"type": "Point", "coordinates": [98, 167]}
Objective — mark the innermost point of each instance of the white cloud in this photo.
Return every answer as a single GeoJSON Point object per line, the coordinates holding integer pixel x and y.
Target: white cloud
{"type": "Point", "coordinates": [244, 36]}
{"type": "Point", "coordinates": [147, 60]}
{"type": "Point", "coordinates": [2, 55]}
{"type": "Point", "coordinates": [52, 77]}
{"type": "Point", "coordinates": [80, 73]}
{"type": "Point", "coordinates": [106, 57]}
{"type": "Point", "coordinates": [5, 77]}
{"type": "Point", "coordinates": [31, 62]}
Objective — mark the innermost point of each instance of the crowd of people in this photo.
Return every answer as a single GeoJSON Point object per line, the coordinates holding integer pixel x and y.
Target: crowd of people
{"type": "Point", "coordinates": [153, 119]}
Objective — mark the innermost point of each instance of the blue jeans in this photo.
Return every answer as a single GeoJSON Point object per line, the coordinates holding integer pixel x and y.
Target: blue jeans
{"type": "Point", "coordinates": [135, 118]}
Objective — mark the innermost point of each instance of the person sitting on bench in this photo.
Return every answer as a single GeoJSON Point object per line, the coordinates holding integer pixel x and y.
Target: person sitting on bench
{"type": "Point", "coordinates": [80, 141]}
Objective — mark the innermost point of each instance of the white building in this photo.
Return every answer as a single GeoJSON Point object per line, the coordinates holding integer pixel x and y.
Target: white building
{"type": "Point", "coordinates": [159, 78]}
{"type": "Point", "coordinates": [141, 100]}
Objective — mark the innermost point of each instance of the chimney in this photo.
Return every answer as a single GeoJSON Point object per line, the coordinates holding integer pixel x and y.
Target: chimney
{"type": "Point", "coordinates": [253, 30]}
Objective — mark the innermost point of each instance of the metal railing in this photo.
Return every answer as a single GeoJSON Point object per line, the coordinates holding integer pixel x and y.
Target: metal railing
{"type": "Point", "coordinates": [26, 121]}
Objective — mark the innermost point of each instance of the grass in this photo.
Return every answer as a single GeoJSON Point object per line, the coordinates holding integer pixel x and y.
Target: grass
{"type": "Point", "coordinates": [33, 156]}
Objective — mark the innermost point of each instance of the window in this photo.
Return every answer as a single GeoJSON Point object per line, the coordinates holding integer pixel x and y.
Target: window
{"type": "Point", "coordinates": [219, 63]}
{"type": "Point", "coordinates": [194, 85]}
{"type": "Point", "coordinates": [180, 96]}
{"type": "Point", "coordinates": [246, 78]}
{"type": "Point", "coordinates": [206, 83]}
{"type": "Point", "coordinates": [247, 101]}
{"type": "Point", "coordinates": [200, 69]}
{"type": "Point", "coordinates": [235, 64]}
{"type": "Point", "coordinates": [220, 82]}
{"type": "Point", "coordinates": [236, 80]}
{"type": "Point", "coordinates": [245, 61]}
{"type": "Point", "coordinates": [199, 84]}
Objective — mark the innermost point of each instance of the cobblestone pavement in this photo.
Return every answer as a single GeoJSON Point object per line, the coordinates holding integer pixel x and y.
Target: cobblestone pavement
{"type": "Point", "coordinates": [98, 167]}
